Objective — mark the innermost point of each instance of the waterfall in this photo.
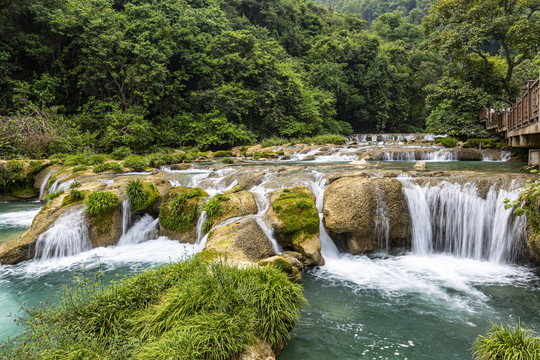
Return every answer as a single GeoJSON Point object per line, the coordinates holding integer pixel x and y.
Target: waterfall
{"type": "Point", "coordinates": [328, 248]}
{"type": "Point", "coordinates": [126, 215]}
{"type": "Point", "coordinates": [67, 236]}
{"type": "Point", "coordinates": [146, 228]}
{"type": "Point", "coordinates": [200, 224]}
{"type": "Point", "coordinates": [44, 183]}
{"type": "Point", "coordinates": [263, 203]}
{"type": "Point", "coordinates": [452, 218]}
{"type": "Point", "coordinates": [54, 186]}
{"type": "Point", "coordinates": [382, 222]}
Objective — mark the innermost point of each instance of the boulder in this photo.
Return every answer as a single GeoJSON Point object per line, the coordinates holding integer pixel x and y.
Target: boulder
{"type": "Point", "coordinates": [354, 205]}
{"type": "Point", "coordinates": [294, 218]}
{"type": "Point", "coordinates": [420, 165]}
{"type": "Point", "coordinates": [285, 265]}
{"type": "Point", "coordinates": [179, 212]}
{"type": "Point", "coordinates": [243, 240]}
{"type": "Point", "coordinates": [262, 350]}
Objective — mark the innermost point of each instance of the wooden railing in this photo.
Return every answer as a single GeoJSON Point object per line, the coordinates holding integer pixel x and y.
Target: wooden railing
{"type": "Point", "coordinates": [524, 112]}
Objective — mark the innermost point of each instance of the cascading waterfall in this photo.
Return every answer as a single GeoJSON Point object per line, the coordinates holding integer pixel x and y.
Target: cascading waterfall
{"type": "Point", "coordinates": [126, 215]}
{"type": "Point", "coordinates": [66, 237]}
{"type": "Point", "coordinates": [146, 228]}
{"type": "Point", "coordinates": [440, 155]}
{"type": "Point", "coordinates": [260, 193]}
{"type": "Point", "coordinates": [382, 222]}
{"type": "Point", "coordinates": [45, 182]}
{"type": "Point", "coordinates": [328, 248]}
{"type": "Point", "coordinates": [200, 224]}
{"type": "Point", "coordinates": [54, 186]}
{"type": "Point", "coordinates": [452, 218]}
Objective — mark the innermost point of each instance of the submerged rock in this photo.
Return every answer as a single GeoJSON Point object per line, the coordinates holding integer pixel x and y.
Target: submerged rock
{"type": "Point", "coordinates": [364, 214]}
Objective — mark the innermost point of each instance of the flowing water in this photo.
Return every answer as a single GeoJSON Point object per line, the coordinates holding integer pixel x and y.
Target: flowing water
{"type": "Point", "coordinates": [427, 303]}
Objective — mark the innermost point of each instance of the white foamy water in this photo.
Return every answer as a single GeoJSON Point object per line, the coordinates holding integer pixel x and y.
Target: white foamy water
{"type": "Point", "coordinates": [146, 228]}
{"type": "Point", "coordinates": [45, 182]}
{"type": "Point", "coordinates": [66, 237]}
{"type": "Point", "coordinates": [439, 279]}
{"type": "Point", "coordinates": [18, 219]}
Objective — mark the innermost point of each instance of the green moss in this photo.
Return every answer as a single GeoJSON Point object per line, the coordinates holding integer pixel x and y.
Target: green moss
{"type": "Point", "coordinates": [209, 255]}
{"type": "Point", "coordinates": [228, 161]}
{"type": "Point", "coordinates": [16, 167]}
{"type": "Point", "coordinates": [108, 166]}
{"type": "Point", "coordinates": [100, 203]}
{"type": "Point", "coordinates": [79, 168]}
{"type": "Point", "coordinates": [447, 142]}
{"type": "Point", "coordinates": [213, 210]}
{"type": "Point", "coordinates": [178, 210]}
{"type": "Point", "coordinates": [235, 189]}
{"type": "Point", "coordinates": [223, 153]}
{"type": "Point", "coordinates": [74, 196]}
{"type": "Point", "coordinates": [296, 208]}
{"type": "Point", "coordinates": [54, 195]}
{"type": "Point", "coordinates": [24, 192]}
{"type": "Point", "coordinates": [141, 194]}
{"type": "Point", "coordinates": [282, 264]}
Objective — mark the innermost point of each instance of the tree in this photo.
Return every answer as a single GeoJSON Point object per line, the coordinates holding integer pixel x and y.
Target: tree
{"type": "Point", "coordinates": [466, 31]}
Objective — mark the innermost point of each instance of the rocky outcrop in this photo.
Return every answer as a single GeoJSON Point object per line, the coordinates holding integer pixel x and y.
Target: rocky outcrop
{"type": "Point", "coordinates": [354, 205]}
{"type": "Point", "coordinates": [262, 350]}
{"type": "Point", "coordinates": [243, 240]}
{"type": "Point", "coordinates": [295, 220]}
{"type": "Point", "coordinates": [18, 178]}
{"type": "Point", "coordinates": [179, 212]}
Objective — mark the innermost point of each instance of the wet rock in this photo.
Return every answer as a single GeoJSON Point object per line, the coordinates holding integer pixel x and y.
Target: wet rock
{"type": "Point", "coordinates": [420, 165]}
{"type": "Point", "coordinates": [293, 272]}
{"type": "Point", "coordinates": [353, 205]}
{"type": "Point", "coordinates": [295, 220]}
{"type": "Point", "coordinates": [243, 240]}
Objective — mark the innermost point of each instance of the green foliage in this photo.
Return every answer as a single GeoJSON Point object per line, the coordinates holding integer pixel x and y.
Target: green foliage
{"type": "Point", "coordinates": [503, 342]}
{"type": "Point", "coordinates": [228, 161]}
{"type": "Point", "coordinates": [483, 143]}
{"type": "Point", "coordinates": [185, 310]}
{"type": "Point", "coordinates": [73, 196]}
{"type": "Point", "coordinates": [100, 203]}
{"type": "Point", "coordinates": [79, 168]}
{"type": "Point", "coordinates": [447, 142]}
{"type": "Point", "coordinates": [74, 185]}
{"type": "Point", "coordinates": [223, 153]}
{"type": "Point", "coordinates": [121, 152]}
{"type": "Point", "coordinates": [15, 166]}
{"type": "Point", "coordinates": [298, 212]}
{"type": "Point", "coordinates": [108, 166]}
{"type": "Point", "coordinates": [136, 162]}
{"type": "Point", "coordinates": [54, 195]}
{"type": "Point", "coordinates": [141, 194]}
{"type": "Point", "coordinates": [214, 210]}
{"type": "Point", "coordinates": [179, 208]}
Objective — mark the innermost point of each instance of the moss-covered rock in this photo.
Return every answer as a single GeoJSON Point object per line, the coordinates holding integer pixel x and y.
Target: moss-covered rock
{"type": "Point", "coordinates": [179, 212]}
{"type": "Point", "coordinates": [242, 240]}
{"type": "Point", "coordinates": [226, 206]}
{"type": "Point", "coordinates": [141, 194]}
{"type": "Point", "coordinates": [295, 220]}
{"type": "Point", "coordinates": [284, 265]}
{"type": "Point", "coordinates": [105, 218]}
{"type": "Point", "coordinates": [18, 178]}
{"type": "Point", "coordinates": [534, 245]}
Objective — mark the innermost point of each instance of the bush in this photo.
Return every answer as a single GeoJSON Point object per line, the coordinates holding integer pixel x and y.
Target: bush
{"type": "Point", "coordinates": [100, 203]}
{"type": "Point", "coordinates": [73, 197]}
{"type": "Point", "coordinates": [54, 195]}
{"type": "Point", "coordinates": [179, 208]}
{"type": "Point", "coordinates": [502, 342]}
{"type": "Point", "coordinates": [186, 310]}
{"type": "Point", "coordinates": [223, 153]}
{"type": "Point", "coordinates": [15, 166]}
{"type": "Point", "coordinates": [447, 142]}
{"type": "Point", "coordinates": [109, 166]}
{"type": "Point", "coordinates": [274, 141]}
{"type": "Point", "coordinates": [227, 161]}
{"type": "Point", "coordinates": [79, 168]}
{"type": "Point", "coordinates": [213, 210]}
{"type": "Point", "coordinates": [74, 185]}
{"type": "Point", "coordinates": [137, 163]}
{"type": "Point", "coordinates": [120, 153]}
{"type": "Point", "coordinates": [141, 194]}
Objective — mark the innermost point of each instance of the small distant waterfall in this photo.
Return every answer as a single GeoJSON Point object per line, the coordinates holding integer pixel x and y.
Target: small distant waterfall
{"type": "Point", "coordinates": [440, 155]}
{"type": "Point", "coordinates": [382, 222]}
{"type": "Point", "coordinates": [452, 218]}
{"type": "Point", "coordinates": [328, 248]}
{"type": "Point", "coordinates": [45, 182]}
{"type": "Point", "coordinates": [54, 186]}
{"type": "Point", "coordinates": [126, 215]}
{"type": "Point", "coordinates": [146, 228]}
{"type": "Point", "coordinates": [67, 236]}
{"type": "Point", "coordinates": [200, 224]}
{"type": "Point", "coordinates": [263, 203]}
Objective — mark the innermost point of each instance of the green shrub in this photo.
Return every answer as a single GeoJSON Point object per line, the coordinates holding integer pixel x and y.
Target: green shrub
{"type": "Point", "coordinates": [191, 156]}
{"type": "Point", "coordinates": [280, 152]}
{"type": "Point", "coordinates": [79, 168]}
{"type": "Point", "coordinates": [447, 142]}
{"type": "Point", "coordinates": [213, 210]}
{"type": "Point", "coordinates": [257, 155]}
{"type": "Point", "coordinates": [227, 161]}
{"type": "Point", "coordinates": [223, 153]}
{"type": "Point", "coordinates": [137, 163]}
{"type": "Point", "coordinates": [274, 141]}
{"type": "Point", "coordinates": [179, 208]}
{"type": "Point", "coordinates": [483, 143]}
{"type": "Point", "coordinates": [186, 310]}
{"type": "Point", "coordinates": [15, 166]}
{"type": "Point", "coordinates": [108, 166]}
{"type": "Point", "coordinates": [297, 210]}
{"type": "Point", "coordinates": [121, 152]}
{"type": "Point", "coordinates": [74, 185]}
{"type": "Point", "coordinates": [141, 194]}
{"type": "Point", "coordinates": [54, 195]}
{"type": "Point", "coordinates": [73, 197]}
{"type": "Point", "coordinates": [502, 342]}
{"type": "Point", "coordinates": [100, 203]}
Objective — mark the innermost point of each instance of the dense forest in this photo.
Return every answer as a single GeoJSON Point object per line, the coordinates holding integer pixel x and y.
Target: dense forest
{"type": "Point", "coordinates": [77, 74]}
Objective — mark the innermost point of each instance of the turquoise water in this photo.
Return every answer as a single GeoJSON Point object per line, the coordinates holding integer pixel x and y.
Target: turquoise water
{"type": "Point", "coordinates": [16, 217]}
{"type": "Point", "coordinates": [409, 307]}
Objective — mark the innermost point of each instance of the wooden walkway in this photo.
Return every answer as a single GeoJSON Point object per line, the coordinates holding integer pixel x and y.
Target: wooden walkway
{"type": "Point", "coordinates": [520, 122]}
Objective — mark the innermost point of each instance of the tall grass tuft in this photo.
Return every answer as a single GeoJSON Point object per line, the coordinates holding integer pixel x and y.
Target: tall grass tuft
{"type": "Point", "coordinates": [504, 343]}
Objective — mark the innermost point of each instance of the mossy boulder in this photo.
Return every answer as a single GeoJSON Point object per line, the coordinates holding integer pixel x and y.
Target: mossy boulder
{"type": "Point", "coordinates": [534, 245]}
{"type": "Point", "coordinates": [353, 205]}
{"type": "Point", "coordinates": [141, 194]}
{"type": "Point", "coordinates": [295, 220]}
{"type": "Point", "coordinates": [179, 211]}
{"type": "Point", "coordinates": [104, 216]}
{"type": "Point", "coordinates": [243, 240]}
{"type": "Point", "coordinates": [284, 265]}
{"type": "Point", "coordinates": [226, 206]}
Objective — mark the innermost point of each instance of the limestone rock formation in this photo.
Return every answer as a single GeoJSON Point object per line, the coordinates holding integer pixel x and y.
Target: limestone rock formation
{"type": "Point", "coordinates": [242, 240]}
{"type": "Point", "coordinates": [352, 207]}
{"type": "Point", "coordinates": [295, 220]}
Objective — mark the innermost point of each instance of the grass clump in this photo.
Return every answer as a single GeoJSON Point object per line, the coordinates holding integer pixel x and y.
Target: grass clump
{"type": "Point", "coordinates": [54, 195]}
{"type": "Point", "coordinates": [74, 185]}
{"type": "Point", "coordinates": [108, 166]}
{"type": "Point", "coordinates": [213, 210]}
{"type": "Point", "coordinates": [79, 168]}
{"type": "Point", "coordinates": [223, 153]}
{"type": "Point", "coordinates": [476, 143]}
{"type": "Point", "coordinates": [74, 196]}
{"type": "Point", "coordinates": [178, 209]}
{"type": "Point", "coordinates": [186, 310]}
{"type": "Point", "coordinates": [296, 208]}
{"type": "Point", "coordinates": [228, 161]}
{"type": "Point", "coordinates": [503, 342]}
{"type": "Point", "coordinates": [136, 162]}
{"type": "Point", "coordinates": [120, 153]}
{"type": "Point", "coordinates": [141, 194]}
{"type": "Point", "coordinates": [447, 142]}
{"type": "Point", "coordinates": [100, 203]}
